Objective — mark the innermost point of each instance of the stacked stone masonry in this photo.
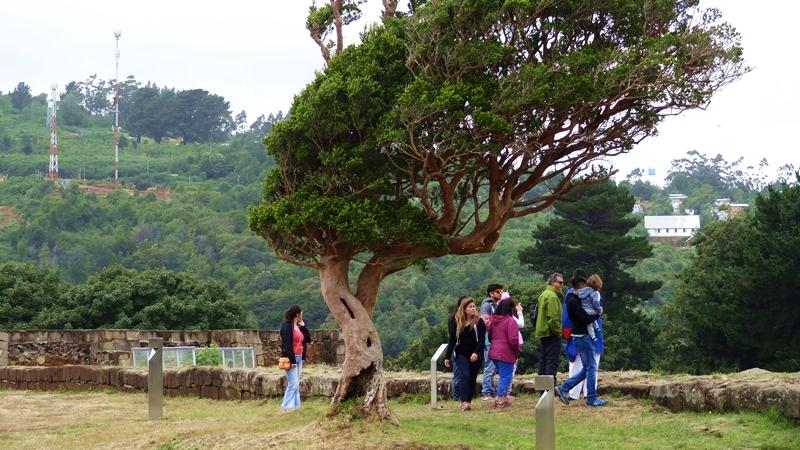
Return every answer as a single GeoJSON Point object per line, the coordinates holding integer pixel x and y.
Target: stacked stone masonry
{"type": "Point", "coordinates": [113, 347]}
{"type": "Point", "coordinates": [688, 394]}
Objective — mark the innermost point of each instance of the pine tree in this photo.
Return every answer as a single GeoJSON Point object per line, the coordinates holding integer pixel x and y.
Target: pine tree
{"type": "Point", "coordinates": [591, 230]}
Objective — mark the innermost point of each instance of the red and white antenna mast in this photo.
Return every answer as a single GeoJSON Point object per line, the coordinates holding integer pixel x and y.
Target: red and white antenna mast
{"type": "Point", "coordinates": [52, 172]}
{"type": "Point", "coordinates": [117, 34]}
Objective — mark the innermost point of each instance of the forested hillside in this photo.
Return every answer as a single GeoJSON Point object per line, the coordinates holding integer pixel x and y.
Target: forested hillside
{"type": "Point", "coordinates": [214, 173]}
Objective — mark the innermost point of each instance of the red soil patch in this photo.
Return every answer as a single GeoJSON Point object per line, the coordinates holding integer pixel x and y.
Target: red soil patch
{"type": "Point", "coordinates": [101, 190]}
{"type": "Point", "coordinates": [8, 215]}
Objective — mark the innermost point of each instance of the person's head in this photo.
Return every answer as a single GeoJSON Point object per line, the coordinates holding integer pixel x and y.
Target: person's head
{"type": "Point", "coordinates": [494, 291]}
{"type": "Point", "coordinates": [293, 312]}
{"type": "Point", "coordinates": [506, 308]}
{"type": "Point", "coordinates": [595, 282]}
{"type": "Point", "coordinates": [466, 313]}
{"type": "Point", "coordinates": [460, 300]}
{"type": "Point", "coordinates": [556, 280]}
{"type": "Point", "coordinates": [505, 296]}
{"type": "Point", "coordinates": [578, 278]}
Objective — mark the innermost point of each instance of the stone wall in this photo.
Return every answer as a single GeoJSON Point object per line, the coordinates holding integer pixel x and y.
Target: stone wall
{"type": "Point", "coordinates": [207, 382]}
{"type": "Point", "coordinates": [679, 394]}
{"type": "Point", "coordinates": [113, 347]}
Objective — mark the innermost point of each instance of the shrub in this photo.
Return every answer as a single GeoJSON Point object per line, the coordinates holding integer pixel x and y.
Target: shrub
{"type": "Point", "coordinates": [209, 356]}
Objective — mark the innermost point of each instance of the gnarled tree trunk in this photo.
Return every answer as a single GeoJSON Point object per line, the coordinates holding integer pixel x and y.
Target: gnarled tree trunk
{"type": "Point", "coordinates": [362, 372]}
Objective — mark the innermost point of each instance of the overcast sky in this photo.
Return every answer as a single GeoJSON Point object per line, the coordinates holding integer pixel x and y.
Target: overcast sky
{"type": "Point", "coordinates": [258, 55]}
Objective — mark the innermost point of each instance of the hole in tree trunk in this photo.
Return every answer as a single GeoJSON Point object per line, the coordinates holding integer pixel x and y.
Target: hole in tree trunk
{"type": "Point", "coordinates": [349, 311]}
{"type": "Point", "coordinates": [369, 342]}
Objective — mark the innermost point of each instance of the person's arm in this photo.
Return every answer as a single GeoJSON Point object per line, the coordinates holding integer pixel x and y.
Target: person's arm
{"type": "Point", "coordinates": [598, 306]}
{"type": "Point", "coordinates": [479, 349]}
{"type": "Point", "coordinates": [513, 337]}
{"type": "Point", "coordinates": [553, 314]}
{"type": "Point", "coordinates": [577, 314]}
{"type": "Point", "coordinates": [306, 334]}
{"type": "Point", "coordinates": [451, 340]}
{"type": "Point", "coordinates": [286, 341]}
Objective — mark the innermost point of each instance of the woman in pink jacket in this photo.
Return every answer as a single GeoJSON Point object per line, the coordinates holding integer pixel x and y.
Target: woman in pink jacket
{"type": "Point", "coordinates": [505, 348]}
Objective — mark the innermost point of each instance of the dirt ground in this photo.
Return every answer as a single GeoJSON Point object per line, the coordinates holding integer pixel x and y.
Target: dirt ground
{"type": "Point", "coordinates": [8, 215]}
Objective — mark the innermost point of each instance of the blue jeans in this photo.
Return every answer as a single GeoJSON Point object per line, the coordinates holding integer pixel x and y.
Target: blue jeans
{"type": "Point", "coordinates": [585, 348]}
{"type": "Point", "coordinates": [488, 375]}
{"type": "Point", "coordinates": [506, 372]}
{"type": "Point", "coordinates": [456, 379]}
{"type": "Point", "coordinates": [465, 379]}
{"type": "Point", "coordinates": [291, 398]}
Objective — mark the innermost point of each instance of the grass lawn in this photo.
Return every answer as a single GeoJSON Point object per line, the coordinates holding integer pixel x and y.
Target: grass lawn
{"type": "Point", "coordinates": [38, 420]}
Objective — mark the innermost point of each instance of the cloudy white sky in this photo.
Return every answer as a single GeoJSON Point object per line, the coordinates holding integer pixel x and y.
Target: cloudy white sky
{"type": "Point", "coordinates": [258, 55]}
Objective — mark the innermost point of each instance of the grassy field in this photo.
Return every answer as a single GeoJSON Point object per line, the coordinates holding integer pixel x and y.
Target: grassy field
{"type": "Point", "coordinates": [71, 420]}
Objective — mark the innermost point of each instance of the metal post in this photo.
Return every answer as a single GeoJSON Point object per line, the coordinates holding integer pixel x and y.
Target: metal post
{"type": "Point", "coordinates": [545, 413]}
{"type": "Point", "coordinates": [155, 379]}
{"type": "Point", "coordinates": [434, 386]}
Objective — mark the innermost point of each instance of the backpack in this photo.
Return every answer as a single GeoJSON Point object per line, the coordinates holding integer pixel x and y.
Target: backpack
{"type": "Point", "coordinates": [534, 313]}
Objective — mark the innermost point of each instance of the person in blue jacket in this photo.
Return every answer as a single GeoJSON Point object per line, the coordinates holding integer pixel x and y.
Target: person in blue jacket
{"type": "Point", "coordinates": [584, 345]}
{"type": "Point", "coordinates": [575, 364]}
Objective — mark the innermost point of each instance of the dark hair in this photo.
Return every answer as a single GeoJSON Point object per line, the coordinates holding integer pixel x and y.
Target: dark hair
{"type": "Point", "coordinates": [506, 308]}
{"type": "Point", "coordinates": [578, 276]}
{"type": "Point", "coordinates": [460, 299]}
{"type": "Point", "coordinates": [493, 287]}
{"type": "Point", "coordinates": [292, 312]}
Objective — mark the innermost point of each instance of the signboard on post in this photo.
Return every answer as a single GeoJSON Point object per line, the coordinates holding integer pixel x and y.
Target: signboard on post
{"type": "Point", "coordinates": [434, 383]}
{"type": "Point", "coordinates": [155, 379]}
{"type": "Point", "coordinates": [545, 413]}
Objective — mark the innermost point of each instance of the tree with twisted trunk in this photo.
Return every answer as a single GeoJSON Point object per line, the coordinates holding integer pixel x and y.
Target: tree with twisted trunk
{"type": "Point", "coordinates": [453, 118]}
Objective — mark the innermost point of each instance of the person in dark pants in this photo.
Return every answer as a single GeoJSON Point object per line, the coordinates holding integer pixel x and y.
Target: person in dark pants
{"type": "Point", "coordinates": [548, 325]}
{"type": "Point", "coordinates": [465, 347]}
{"type": "Point", "coordinates": [451, 325]}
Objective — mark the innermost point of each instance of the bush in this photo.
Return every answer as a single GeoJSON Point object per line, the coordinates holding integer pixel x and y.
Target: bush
{"type": "Point", "coordinates": [209, 356]}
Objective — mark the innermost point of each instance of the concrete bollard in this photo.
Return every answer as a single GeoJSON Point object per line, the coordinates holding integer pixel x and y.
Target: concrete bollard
{"type": "Point", "coordinates": [155, 379]}
{"type": "Point", "coordinates": [545, 413]}
{"type": "Point", "coordinates": [434, 384]}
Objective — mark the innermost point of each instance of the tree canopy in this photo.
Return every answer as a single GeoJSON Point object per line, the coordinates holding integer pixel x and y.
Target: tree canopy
{"type": "Point", "coordinates": [737, 301]}
{"type": "Point", "coordinates": [447, 122]}
{"type": "Point", "coordinates": [116, 297]}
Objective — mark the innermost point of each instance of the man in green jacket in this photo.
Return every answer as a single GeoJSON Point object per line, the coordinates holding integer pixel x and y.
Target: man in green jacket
{"type": "Point", "coordinates": [548, 325]}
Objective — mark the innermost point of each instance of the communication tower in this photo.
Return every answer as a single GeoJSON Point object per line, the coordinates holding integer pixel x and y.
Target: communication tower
{"type": "Point", "coordinates": [117, 34]}
{"type": "Point", "coordinates": [52, 106]}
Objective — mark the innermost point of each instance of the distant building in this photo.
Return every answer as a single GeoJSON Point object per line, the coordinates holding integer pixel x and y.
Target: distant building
{"type": "Point", "coordinates": [674, 229]}
{"type": "Point", "coordinates": [724, 209]}
{"type": "Point", "coordinates": [638, 208]}
{"type": "Point", "coordinates": [677, 201]}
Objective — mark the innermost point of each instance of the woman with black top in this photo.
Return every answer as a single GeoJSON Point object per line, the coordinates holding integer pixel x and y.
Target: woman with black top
{"type": "Point", "coordinates": [294, 341]}
{"type": "Point", "coordinates": [467, 335]}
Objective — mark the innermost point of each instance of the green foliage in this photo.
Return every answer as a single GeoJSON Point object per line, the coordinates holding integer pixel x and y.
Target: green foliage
{"type": "Point", "coordinates": [21, 96]}
{"type": "Point", "coordinates": [348, 189]}
{"type": "Point", "coordinates": [25, 290]}
{"type": "Point", "coordinates": [209, 356]}
{"type": "Point", "coordinates": [735, 303]}
{"type": "Point", "coordinates": [417, 356]}
{"type": "Point", "coordinates": [447, 122]}
{"type": "Point", "coordinates": [152, 299]}
{"type": "Point", "coordinates": [71, 113]}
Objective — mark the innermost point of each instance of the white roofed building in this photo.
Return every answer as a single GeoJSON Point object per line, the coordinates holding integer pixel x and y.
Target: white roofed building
{"type": "Point", "coordinates": [672, 228]}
